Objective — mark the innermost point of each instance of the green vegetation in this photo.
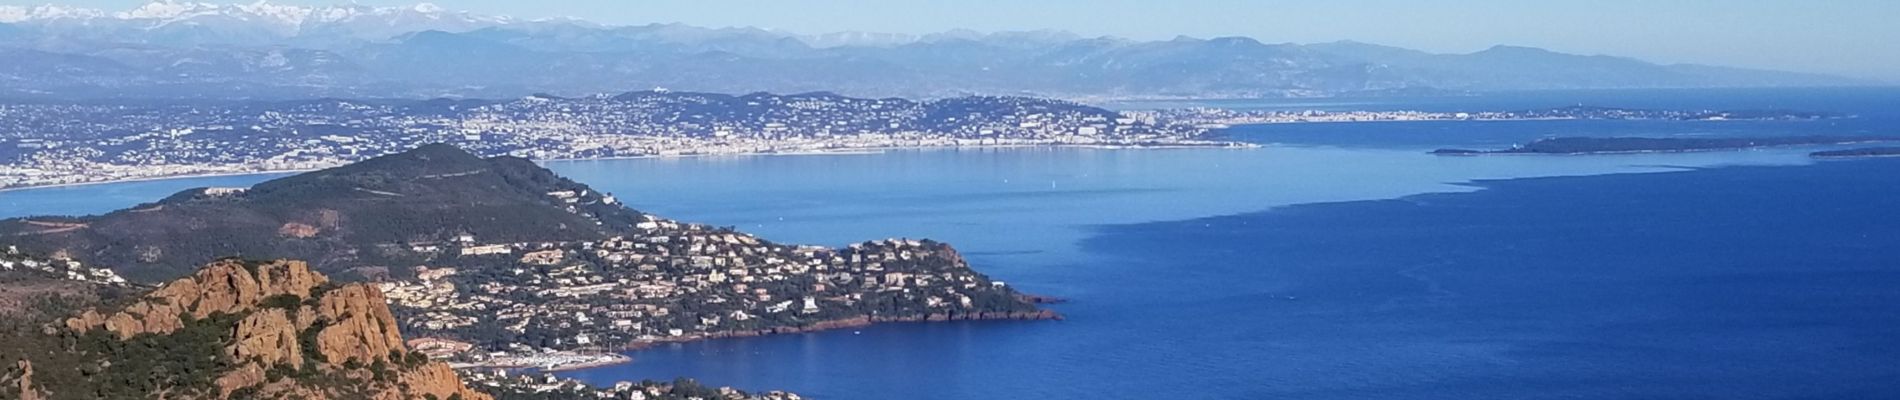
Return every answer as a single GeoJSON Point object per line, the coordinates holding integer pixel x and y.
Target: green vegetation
{"type": "Point", "coordinates": [185, 361]}
{"type": "Point", "coordinates": [307, 340]}
{"type": "Point", "coordinates": [97, 365]}
{"type": "Point", "coordinates": [285, 301]}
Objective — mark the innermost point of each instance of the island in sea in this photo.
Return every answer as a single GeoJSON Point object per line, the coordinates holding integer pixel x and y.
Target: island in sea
{"type": "Point", "coordinates": [1858, 153]}
{"type": "Point", "coordinates": [499, 262]}
{"type": "Point", "coordinates": [1620, 145]}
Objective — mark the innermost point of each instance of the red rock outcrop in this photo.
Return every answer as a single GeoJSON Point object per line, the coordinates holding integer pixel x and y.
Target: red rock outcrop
{"type": "Point", "coordinates": [360, 326]}
{"type": "Point", "coordinates": [352, 325]}
{"type": "Point", "coordinates": [226, 286]}
{"type": "Point", "coordinates": [267, 337]}
{"type": "Point", "coordinates": [24, 383]}
{"type": "Point", "coordinates": [431, 379]}
{"type": "Point", "coordinates": [248, 375]}
{"type": "Point", "coordinates": [297, 230]}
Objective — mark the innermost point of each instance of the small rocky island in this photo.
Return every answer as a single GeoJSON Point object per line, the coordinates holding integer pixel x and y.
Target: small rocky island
{"type": "Point", "coordinates": [1858, 153]}
{"type": "Point", "coordinates": [1625, 145]}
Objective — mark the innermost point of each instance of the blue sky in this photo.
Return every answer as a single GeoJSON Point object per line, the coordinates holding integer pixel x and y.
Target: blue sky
{"type": "Point", "coordinates": [1849, 37]}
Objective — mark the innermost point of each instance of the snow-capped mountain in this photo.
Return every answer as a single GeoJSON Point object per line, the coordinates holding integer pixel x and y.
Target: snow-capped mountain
{"type": "Point", "coordinates": [18, 14]}
{"type": "Point", "coordinates": [173, 20]}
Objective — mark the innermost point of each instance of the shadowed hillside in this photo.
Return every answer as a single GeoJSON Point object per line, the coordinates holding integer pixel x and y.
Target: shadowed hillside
{"type": "Point", "coordinates": [388, 211]}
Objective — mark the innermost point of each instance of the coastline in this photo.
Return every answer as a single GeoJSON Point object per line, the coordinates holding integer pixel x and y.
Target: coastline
{"type": "Point", "coordinates": [1232, 124]}
{"type": "Point", "coordinates": [1853, 157]}
{"type": "Point", "coordinates": [562, 361]}
{"type": "Point", "coordinates": [843, 323]}
{"type": "Point", "coordinates": [846, 151]}
{"type": "Point", "coordinates": [618, 356]}
{"type": "Point", "coordinates": [154, 178]}
{"type": "Point", "coordinates": [1442, 153]}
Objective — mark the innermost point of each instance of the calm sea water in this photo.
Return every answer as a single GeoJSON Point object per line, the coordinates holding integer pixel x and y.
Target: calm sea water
{"type": "Point", "coordinates": [1339, 262]}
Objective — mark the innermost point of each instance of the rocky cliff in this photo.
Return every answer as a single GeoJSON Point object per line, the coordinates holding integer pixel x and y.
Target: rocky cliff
{"type": "Point", "coordinates": [291, 334]}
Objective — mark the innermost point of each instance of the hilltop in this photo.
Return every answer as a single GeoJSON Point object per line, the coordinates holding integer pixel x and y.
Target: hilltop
{"type": "Point", "coordinates": [374, 213]}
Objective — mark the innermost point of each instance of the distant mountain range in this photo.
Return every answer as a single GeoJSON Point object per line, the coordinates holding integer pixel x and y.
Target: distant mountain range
{"type": "Point", "coordinates": [262, 50]}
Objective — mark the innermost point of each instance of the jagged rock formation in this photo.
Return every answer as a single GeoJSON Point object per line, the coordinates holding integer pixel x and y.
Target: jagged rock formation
{"type": "Point", "coordinates": [223, 287]}
{"type": "Point", "coordinates": [294, 334]}
{"type": "Point", "coordinates": [19, 382]}
{"type": "Point", "coordinates": [360, 326]}
{"type": "Point", "coordinates": [269, 337]}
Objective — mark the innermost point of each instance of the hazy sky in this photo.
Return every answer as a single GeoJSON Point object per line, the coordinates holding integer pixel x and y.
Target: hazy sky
{"type": "Point", "coordinates": [1849, 37]}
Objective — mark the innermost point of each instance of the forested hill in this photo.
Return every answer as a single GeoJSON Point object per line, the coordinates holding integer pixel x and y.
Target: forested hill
{"type": "Point", "coordinates": [393, 211]}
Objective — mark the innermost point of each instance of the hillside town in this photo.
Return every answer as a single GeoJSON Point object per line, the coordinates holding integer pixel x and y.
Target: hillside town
{"type": "Point", "coordinates": [509, 384]}
{"type": "Point", "coordinates": [556, 305]}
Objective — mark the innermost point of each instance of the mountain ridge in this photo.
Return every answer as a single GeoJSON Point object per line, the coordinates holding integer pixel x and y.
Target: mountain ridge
{"type": "Point", "coordinates": [364, 51]}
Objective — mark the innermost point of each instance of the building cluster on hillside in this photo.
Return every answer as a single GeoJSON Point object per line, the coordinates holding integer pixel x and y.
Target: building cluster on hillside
{"type": "Point", "coordinates": [672, 281]}
{"type": "Point", "coordinates": [11, 259]}
{"type": "Point", "coordinates": [1217, 117]}
{"type": "Point", "coordinates": [543, 385]}
{"type": "Point", "coordinates": [47, 144]}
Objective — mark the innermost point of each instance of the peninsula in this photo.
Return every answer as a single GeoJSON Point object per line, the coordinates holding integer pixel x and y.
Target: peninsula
{"type": "Point", "coordinates": [1219, 117]}
{"type": "Point", "coordinates": [1623, 145]}
{"type": "Point", "coordinates": [499, 262]}
{"type": "Point", "coordinates": [1858, 153]}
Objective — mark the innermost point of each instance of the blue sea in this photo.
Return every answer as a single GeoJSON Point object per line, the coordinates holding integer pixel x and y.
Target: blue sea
{"type": "Point", "coordinates": [1337, 262]}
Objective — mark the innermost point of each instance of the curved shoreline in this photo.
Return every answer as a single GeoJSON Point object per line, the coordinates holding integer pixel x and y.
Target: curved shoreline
{"type": "Point", "coordinates": [843, 323]}
{"type": "Point", "coordinates": [820, 326]}
{"type": "Point", "coordinates": [1211, 144]}
{"type": "Point", "coordinates": [153, 179]}
{"type": "Point", "coordinates": [1589, 146]}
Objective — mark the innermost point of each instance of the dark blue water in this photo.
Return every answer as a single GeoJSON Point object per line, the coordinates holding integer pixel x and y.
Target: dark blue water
{"type": "Point", "coordinates": [1746, 282]}
{"type": "Point", "coordinates": [1733, 283]}
{"type": "Point", "coordinates": [1339, 263]}
{"type": "Point", "coordinates": [1728, 282]}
